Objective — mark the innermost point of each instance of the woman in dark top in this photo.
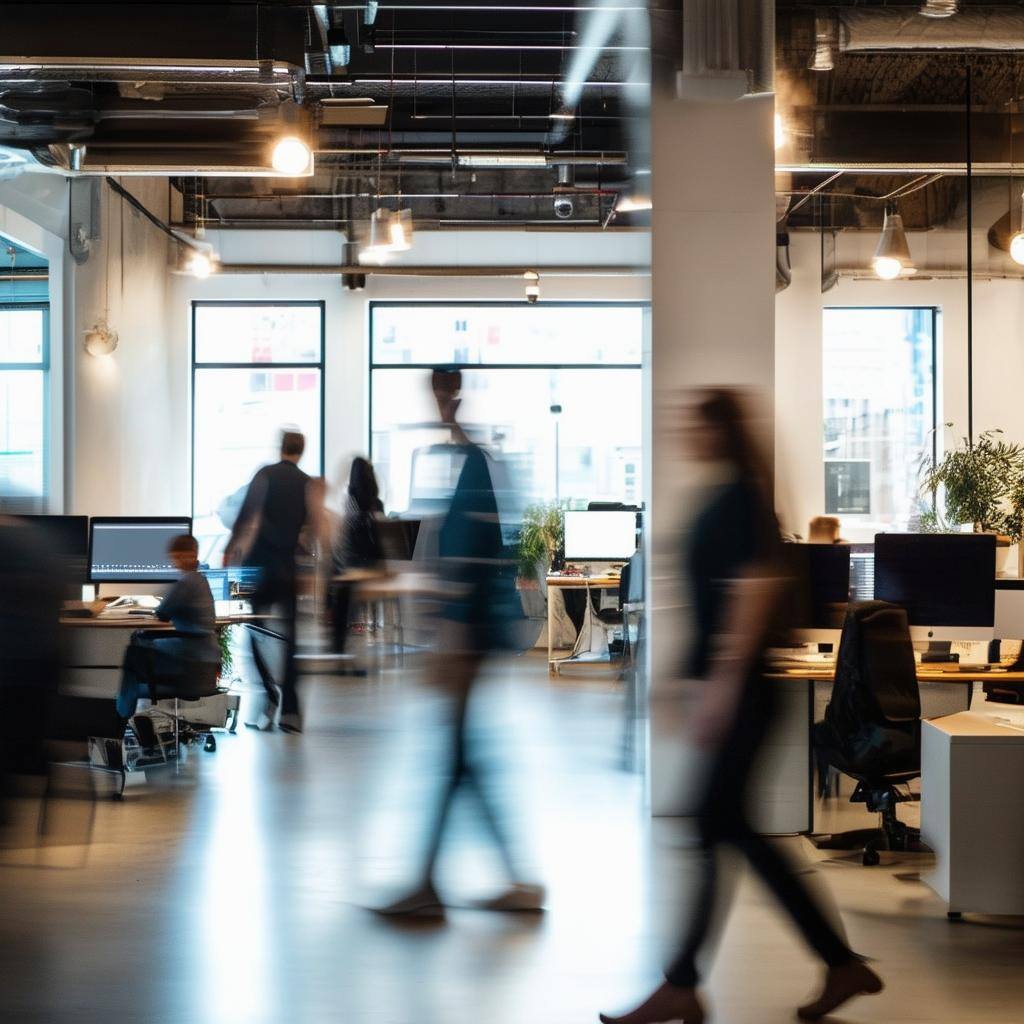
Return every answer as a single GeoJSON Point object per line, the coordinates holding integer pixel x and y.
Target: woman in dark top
{"type": "Point", "coordinates": [736, 589]}
{"type": "Point", "coordinates": [358, 544]}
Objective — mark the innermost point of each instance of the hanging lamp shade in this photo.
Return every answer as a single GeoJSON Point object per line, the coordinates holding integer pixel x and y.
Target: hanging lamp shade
{"type": "Point", "coordinates": [892, 255]}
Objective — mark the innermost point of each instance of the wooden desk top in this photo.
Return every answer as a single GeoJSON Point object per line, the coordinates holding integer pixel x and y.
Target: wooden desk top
{"type": "Point", "coordinates": [150, 621]}
{"type": "Point", "coordinates": [583, 581]}
{"type": "Point", "coordinates": [931, 675]}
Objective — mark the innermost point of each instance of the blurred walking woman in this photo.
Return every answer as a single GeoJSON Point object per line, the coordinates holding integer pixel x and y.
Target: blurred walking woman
{"type": "Point", "coordinates": [731, 565]}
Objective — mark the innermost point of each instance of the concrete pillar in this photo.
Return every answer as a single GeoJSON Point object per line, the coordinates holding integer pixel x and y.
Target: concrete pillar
{"type": "Point", "coordinates": [713, 287]}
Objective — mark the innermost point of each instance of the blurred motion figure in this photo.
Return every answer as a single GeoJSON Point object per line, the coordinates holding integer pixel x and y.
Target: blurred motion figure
{"type": "Point", "coordinates": [479, 614]}
{"type": "Point", "coordinates": [732, 566]}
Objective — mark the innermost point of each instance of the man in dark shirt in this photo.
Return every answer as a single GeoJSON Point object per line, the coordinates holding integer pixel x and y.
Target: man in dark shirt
{"type": "Point", "coordinates": [188, 607]}
{"type": "Point", "coordinates": [266, 536]}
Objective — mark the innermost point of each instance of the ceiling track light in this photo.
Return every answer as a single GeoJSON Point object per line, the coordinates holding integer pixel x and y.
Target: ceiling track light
{"type": "Point", "coordinates": [939, 8]}
{"type": "Point", "coordinates": [532, 279]}
{"type": "Point", "coordinates": [892, 255]}
{"type": "Point", "coordinates": [292, 157]}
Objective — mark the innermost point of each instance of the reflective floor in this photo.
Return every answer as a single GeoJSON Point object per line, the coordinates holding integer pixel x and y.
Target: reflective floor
{"type": "Point", "coordinates": [237, 891]}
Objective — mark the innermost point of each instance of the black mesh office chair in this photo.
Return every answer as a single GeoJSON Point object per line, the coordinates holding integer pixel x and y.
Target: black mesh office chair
{"type": "Point", "coordinates": [872, 726]}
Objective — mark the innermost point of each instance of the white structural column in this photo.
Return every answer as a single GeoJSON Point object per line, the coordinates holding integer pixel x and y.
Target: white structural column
{"type": "Point", "coordinates": [713, 287]}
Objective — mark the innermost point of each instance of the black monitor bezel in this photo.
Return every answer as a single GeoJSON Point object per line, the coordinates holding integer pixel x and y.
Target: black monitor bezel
{"type": "Point", "coordinates": [987, 540]}
{"type": "Point", "coordinates": [120, 521]}
{"type": "Point", "coordinates": [600, 512]}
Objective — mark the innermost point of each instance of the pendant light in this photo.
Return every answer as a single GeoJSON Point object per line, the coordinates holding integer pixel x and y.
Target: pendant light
{"type": "Point", "coordinates": [892, 256]}
{"type": "Point", "coordinates": [1017, 242]}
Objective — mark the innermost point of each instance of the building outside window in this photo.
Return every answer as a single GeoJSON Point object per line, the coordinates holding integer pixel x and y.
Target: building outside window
{"type": "Point", "coordinates": [556, 388]}
{"type": "Point", "coordinates": [24, 414]}
{"type": "Point", "coordinates": [256, 368]}
{"type": "Point", "coordinates": [879, 413]}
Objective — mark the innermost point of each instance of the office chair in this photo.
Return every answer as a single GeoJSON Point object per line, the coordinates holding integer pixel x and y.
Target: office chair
{"type": "Point", "coordinates": [188, 681]}
{"type": "Point", "coordinates": [872, 726]}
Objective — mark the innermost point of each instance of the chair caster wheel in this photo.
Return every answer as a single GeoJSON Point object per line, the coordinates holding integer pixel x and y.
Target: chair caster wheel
{"type": "Point", "coordinates": [955, 916]}
{"type": "Point", "coordinates": [210, 745]}
{"type": "Point", "coordinates": [870, 858]}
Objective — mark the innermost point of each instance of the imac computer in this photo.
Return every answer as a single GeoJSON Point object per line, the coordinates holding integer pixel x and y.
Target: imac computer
{"type": "Point", "coordinates": [67, 540]}
{"type": "Point", "coordinates": [134, 550]}
{"type": "Point", "coordinates": [946, 582]}
{"type": "Point", "coordinates": [600, 536]}
{"type": "Point", "coordinates": [822, 575]}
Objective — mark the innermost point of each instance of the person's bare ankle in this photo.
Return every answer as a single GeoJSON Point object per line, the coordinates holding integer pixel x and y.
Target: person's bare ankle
{"type": "Point", "coordinates": [842, 983]}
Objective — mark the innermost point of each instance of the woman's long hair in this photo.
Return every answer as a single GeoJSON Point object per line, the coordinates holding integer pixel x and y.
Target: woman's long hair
{"type": "Point", "coordinates": [362, 485]}
{"type": "Point", "coordinates": [725, 411]}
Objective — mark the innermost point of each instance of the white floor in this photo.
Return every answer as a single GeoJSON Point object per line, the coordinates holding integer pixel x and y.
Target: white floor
{"type": "Point", "coordinates": [237, 893]}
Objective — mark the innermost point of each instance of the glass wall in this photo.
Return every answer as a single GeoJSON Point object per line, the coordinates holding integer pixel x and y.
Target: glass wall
{"type": "Point", "coordinates": [556, 388]}
{"type": "Point", "coordinates": [256, 369]}
{"type": "Point", "coordinates": [24, 442]}
{"type": "Point", "coordinates": [879, 407]}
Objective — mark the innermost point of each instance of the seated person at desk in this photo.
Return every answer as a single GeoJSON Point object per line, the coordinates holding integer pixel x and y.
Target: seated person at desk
{"type": "Point", "coordinates": [188, 606]}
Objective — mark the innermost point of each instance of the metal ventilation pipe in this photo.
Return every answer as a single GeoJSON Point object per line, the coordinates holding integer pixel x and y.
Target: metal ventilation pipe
{"type": "Point", "coordinates": [864, 29]}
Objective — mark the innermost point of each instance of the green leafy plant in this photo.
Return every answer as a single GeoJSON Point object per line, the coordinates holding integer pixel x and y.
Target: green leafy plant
{"type": "Point", "coordinates": [227, 658]}
{"type": "Point", "coordinates": [540, 538]}
{"type": "Point", "coordinates": [983, 484]}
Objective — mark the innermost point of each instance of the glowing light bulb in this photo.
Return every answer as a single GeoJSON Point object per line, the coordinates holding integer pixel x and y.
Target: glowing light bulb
{"type": "Point", "coordinates": [291, 156]}
{"type": "Point", "coordinates": [200, 265]}
{"type": "Point", "coordinates": [1017, 248]}
{"type": "Point", "coordinates": [781, 136]}
{"type": "Point", "coordinates": [887, 267]}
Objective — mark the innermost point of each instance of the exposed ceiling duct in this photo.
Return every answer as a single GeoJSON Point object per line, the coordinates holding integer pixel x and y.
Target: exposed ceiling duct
{"type": "Point", "coordinates": [873, 29]}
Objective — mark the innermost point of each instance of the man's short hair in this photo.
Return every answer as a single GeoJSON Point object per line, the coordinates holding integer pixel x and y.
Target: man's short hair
{"type": "Point", "coordinates": [292, 442]}
{"type": "Point", "coordinates": [184, 542]}
{"type": "Point", "coordinates": [451, 376]}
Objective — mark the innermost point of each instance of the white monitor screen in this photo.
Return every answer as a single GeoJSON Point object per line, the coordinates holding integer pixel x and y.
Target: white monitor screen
{"type": "Point", "coordinates": [600, 536]}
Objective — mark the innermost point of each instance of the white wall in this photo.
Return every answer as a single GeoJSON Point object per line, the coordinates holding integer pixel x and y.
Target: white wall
{"type": "Point", "coordinates": [998, 350]}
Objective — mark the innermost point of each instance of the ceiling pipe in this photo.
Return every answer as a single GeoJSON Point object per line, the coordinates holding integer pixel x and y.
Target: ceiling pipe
{"type": "Point", "coordinates": [872, 29]}
{"type": "Point", "coordinates": [512, 272]}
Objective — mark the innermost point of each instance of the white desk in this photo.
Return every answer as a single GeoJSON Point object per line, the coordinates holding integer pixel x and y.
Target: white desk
{"type": "Point", "coordinates": [972, 814]}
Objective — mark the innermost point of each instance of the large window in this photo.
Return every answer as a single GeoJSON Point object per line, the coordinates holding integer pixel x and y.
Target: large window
{"type": "Point", "coordinates": [879, 404]}
{"type": "Point", "coordinates": [555, 388]}
{"type": "Point", "coordinates": [24, 365]}
{"type": "Point", "coordinates": [257, 367]}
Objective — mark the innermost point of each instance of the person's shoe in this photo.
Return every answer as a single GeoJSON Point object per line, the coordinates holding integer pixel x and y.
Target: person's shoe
{"type": "Point", "coordinates": [423, 902]}
{"type": "Point", "coordinates": [518, 898]}
{"type": "Point", "coordinates": [842, 984]}
{"type": "Point", "coordinates": [291, 722]}
{"type": "Point", "coordinates": [666, 1003]}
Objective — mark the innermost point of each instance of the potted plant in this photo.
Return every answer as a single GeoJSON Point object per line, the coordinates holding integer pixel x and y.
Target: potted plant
{"type": "Point", "coordinates": [983, 485]}
{"type": "Point", "coordinates": [540, 541]}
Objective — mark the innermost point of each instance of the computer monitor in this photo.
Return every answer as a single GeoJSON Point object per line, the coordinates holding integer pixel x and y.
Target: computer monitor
{"type": "Point", "coordinates": [134, 550]}
{"type": "Point", "coordinates": [822, 575]}
{"type": "Point", "coordinates": [67, 539]}
{"type": "Point", "coordinates": [946, 582]}
{"type": "Point", "coordinates": [600, 536]}
{"type": "Point", "coordinates": [232, 583]}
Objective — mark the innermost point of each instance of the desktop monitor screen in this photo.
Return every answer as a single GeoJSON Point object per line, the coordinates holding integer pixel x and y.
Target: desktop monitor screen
{"type": "Point", "coordinates": [942, 579]}
{"type": "Point", "coordinates": [822, 574]}
{"type": "Point", "coordinates": [125, 550]}
{"type": "Point", "coordinates": [67, 539]}
{"type": "Point", "coordinates": [600, 536]}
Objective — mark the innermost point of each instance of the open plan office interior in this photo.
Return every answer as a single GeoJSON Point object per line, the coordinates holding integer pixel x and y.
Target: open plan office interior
{"type": "Point", "coordinates": [511, 511]}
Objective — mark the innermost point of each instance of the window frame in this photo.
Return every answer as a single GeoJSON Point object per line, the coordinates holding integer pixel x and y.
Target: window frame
{"type": "Point", "coordinates": [536, 308]}
{"type": "Point", "coordinates": [320, 366]}
{"type": "Point", "coordinates": [44, 366]}
{"type": "Point", "coordinates": [936, 313]}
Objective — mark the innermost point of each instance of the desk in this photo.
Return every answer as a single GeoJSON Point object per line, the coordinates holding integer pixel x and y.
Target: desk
{"type": "Point", "coordinates": [562, 582]}
{"type": "Point", "coordinates": [782, 799]}
{"type": "Point", "coordinates": [971, 812]}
